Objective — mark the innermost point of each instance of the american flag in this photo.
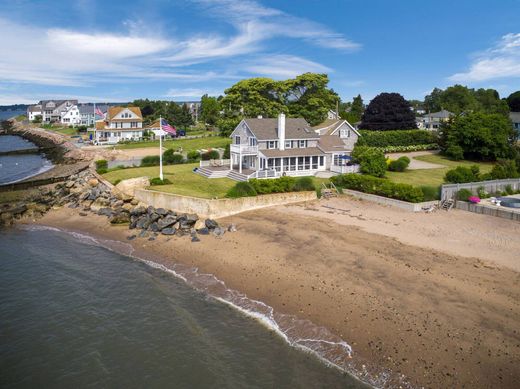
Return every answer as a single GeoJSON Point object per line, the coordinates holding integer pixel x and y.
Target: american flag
{"type": "Point", "coordinates": [168, 128]}
{"type": "Point", "coordinates": [99, 112]}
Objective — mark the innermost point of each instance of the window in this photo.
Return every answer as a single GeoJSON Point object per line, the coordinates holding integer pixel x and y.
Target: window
{"type": "Point", "coordinates": [252, 141]}
{"type": "Point", "coordinates": [272, 144]}
{"type": "Point", "coordinates": [315, 162]}
{"type": "Point", "coordinates": [344, 133]}
{"type": "Point", "coordinates": [322, 161]}
{"type": "Point", "coordinates": [302, 144]}
{"type": "Point", "coordinates": [288, 144]}
{"type": "Point", "coordinates": [237, 140]}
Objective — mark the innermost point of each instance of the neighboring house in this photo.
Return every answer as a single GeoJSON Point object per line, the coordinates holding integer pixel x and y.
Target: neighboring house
{"type": "Point", "coordinates": [331, 115]}
{"type": "Point", "coordinates": [515, 118]}
{"type": "Point", "coordinates": [53, 109]}
{"type": "Point", "coordinates": [33, 111]}
{"type": "Point", "coordinates": [71, 116]}
{"type": "Point", "coordinates": [156, 130]}
{"type": "Point", "coordinates": [339, 128]}
{"type": "Point", "coordinates": [193, 107]}
{"type": "Point", "coordinates": [432, 121]}
{"type": "Point", "coordinates": [265, 148]}
{"type": "Point", "coordinates": [88, 118]}
{"type": "Point", "coordinates": [120, 124]}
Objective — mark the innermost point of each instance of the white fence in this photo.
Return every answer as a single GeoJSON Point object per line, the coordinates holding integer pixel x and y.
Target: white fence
{"type": "Point", "coordinates": [215, 163]}
{"type": "Point", "coordinates": [449, 191]}
{"type": "Point", "coordinates": [344, 169]}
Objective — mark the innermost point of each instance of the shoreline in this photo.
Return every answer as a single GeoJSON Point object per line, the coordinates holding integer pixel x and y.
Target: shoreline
{"type": "Point", "coordinates": [409, 313]}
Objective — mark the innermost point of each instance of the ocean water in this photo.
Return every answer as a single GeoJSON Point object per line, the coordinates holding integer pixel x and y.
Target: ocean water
{"type": "Point", "coordinates": [13, 113]}
{"type": "Point", "coordinates": [75, 314]}
{"type": "Point", "coordinates": [18, 167]}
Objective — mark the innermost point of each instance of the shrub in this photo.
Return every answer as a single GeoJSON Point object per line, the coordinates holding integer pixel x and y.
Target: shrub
{"type": "Point", "coordinates": [396, 138]}
{"type": "Point", "coordinates": [509, 190]}
{"type": "Point", "coordinates": [102, 170]}
{"type": "Point", "coordinates": [464, 194]}
{"type": "Point", "coordinates": [241, 189]}
{"type": "Point", "coordinates": [101, 164]}
{"type": "Point", "coordinates": [227, 152]}
{"type": "Point", "coordinates": [462, 174]}
{"type": "Point", "coordinates": [158, 181]}
{"type": "Point", "coordinates": [379, 186]}
{"type": "Point", "coordinates": [431, 193]}
{"type": "Point", "coordinates": [481, 192]}
{"type": "Point", "coordinates": [212, 154]}
{"type": "Point", "coordinates": [304, 183]}
{"type": "Point", "coordinates": [172, 158]}
{"type": "Point", "coordinates": [150, 160]}
{"type": "Point", "coordinates": [399, 165]}
{"type": "Point", "coordinates": [455, 153]}
{"type": "Point", "coordinates": [402, 149]}
{"type": "Point", "coordinates": [193, 156]}
{"type": "Point", "coordinates": [273, 185]}
{"type": "Point", "coordinates": [504, 168]}
{"type": "Point", "coordinates": [371, 161]}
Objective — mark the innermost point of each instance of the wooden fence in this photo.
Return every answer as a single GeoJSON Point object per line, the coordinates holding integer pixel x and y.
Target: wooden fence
{"type": "Point", "coordinates": [449, 191]}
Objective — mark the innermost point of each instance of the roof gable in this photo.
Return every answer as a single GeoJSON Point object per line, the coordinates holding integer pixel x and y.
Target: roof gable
{"type": "Point", "coordinates": [267, 129]}
{"type": "Point", "coordinates": [119, 113]}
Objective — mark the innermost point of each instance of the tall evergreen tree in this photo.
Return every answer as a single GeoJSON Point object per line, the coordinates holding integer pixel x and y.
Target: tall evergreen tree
{"type": "Point", "coordinates": [388, 111]}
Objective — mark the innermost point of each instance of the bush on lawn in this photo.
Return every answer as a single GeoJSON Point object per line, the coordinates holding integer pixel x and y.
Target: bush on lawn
{"type": "Point", "coordinates": [396, 138]}
{"type": "Point", "coordinates": [431, 193]}
{"type": "Point", "coordinates": [371, 161]}
{"type": "Point", "coordinates": [150, 160]}
{"type": "Point", "coordinates": [504, 168]}
{"type": "Point", "coordinates": [462, 174]}
{"type": "Point", "coordinates": [158, 181]}
{"type": "Point", "coordinates": [455, 153]}
{"type": "Point", "coordinates": [241, 189]}
{"type": "Point", "coordinates": [399, 165]}
{"type": "Point", "coordinates": [193, 156]}
{"type": "Point", "coordinates": [303, 184]}
{"type": "Point", "coordinates": [101, 164]}
{"type": "Point", "coordinates": [379, 186]}
{"type": "Point", "coordinates": [273, 185]}
{"type": "Point", "coordinates": [212, 154]}
{"type": "Point", "coordinates": [464, 194]}
{"type": "Point", "coordinates": [172, 158]}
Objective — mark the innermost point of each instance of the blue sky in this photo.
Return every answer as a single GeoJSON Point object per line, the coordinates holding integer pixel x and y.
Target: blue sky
{"type": "Point", "coordinates": [168, 49]}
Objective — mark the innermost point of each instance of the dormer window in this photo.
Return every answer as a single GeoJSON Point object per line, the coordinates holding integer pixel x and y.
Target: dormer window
{"type": "Point", "coordinates": [302, 144]}
{"type": "Point", "coordinates": [288, 144]}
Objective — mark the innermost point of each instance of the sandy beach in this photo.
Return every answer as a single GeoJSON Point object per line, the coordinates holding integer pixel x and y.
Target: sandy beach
{"type": "Point", "coordinates": [433, 297]}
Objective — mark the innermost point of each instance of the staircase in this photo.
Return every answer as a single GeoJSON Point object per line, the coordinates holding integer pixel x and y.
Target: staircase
{"type": "Point", "coordinates": [329, 191]}
{"type": "Point", "coordinates": [232, 174]}
{"type": "Point", "coordinates": [447, 204]}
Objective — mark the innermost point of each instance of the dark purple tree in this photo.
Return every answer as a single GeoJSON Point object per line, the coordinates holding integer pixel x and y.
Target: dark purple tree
{"type": "Point", "coordinates": [388, 111]}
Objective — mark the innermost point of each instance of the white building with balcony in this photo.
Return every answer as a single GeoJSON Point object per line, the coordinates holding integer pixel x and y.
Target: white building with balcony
{"type": "Point", "coordinates": [120, 124]}
{"type": "Point", "coordinates": [268, 148]}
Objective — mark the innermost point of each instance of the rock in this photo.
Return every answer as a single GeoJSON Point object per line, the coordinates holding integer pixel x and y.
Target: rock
{"type": "Point", "coordinates": [161, 211]}
{"type": "Point", "coordinates": [127, 207]}
{"type": "Point", "coordinates": [195, 238]}
{"type": "Point", "coordinates": [168, 231]}
{"type": "Point", "coordinates": [6, 218]}
{"type": "Point", "coordinates": [134, 202]}
{"type": "Point", "coordinates": [203, 231]}
{"type": "Point", "coordinates": [131, 237]}
{"type": "Point", "coordinates": [143, 234]}
{"type": "Point", "coordinates": [232, 228]}
{"type": "Point", "coordinates": [42, 208]}
{"type": "Point", "coordinates": [168, 221]}
{"type": "Point", "coordinates": [143, 222]}
{"type": "Point", "coordinates": [69, 184]}
{"type": "Point", "coordinates": [218, 232]}
{"type": "Point", "coordinates": [83, 214]}
{"type": "Point", "coordinates": [118, 203]}
{"type": "Point", "coordinates": [17, 209]}
{"type": "Point", "coordinates": [192, 218]}
{"type": "Point", "coordinates": [151, 238]}
{"type": "Point", "coordinates": [128, 187]}
{"type": "Point", "coordinates": [73, 205]}
{"type": "Point", "coordinates": [154, 227]}
{"type": "Point", "coordinates": [137, 211]}
{"type": "Point", "coordinates": [99, 203]}
{"type": "Point", "coordinates": [120, 218]}
{"type": "Point", "coordinates": [93, 182]}
{"type": "Point", "coordinates": [84, 196]}
{"type": "Point", "coordinates": [211, 224]}
{"type": "Point", "coordinates": [105, 212]}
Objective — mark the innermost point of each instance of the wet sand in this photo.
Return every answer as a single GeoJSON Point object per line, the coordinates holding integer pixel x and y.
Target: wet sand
{"type": "Point", "coordinates": [442, 315]}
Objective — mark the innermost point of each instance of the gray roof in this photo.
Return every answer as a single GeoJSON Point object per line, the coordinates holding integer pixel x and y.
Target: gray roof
{"type": "Point", "coordinates": [331, 144]}
{"type": "Point", "coordinates": [267, 129]}
{"type": "Point", "coordinates": [57, 103]}
{"type": "Point", "coordinates": [439, 115]}
{"type": "Point", "coordinates": [515, 117]}
{"type": "Point", "coordinates": [303, 152]}
{"type": "Point", "coordinates": [89, 109]}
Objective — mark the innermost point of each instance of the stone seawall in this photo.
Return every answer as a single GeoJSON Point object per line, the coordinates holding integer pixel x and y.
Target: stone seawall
{"type": "Point", "coordinates": [221, 207]}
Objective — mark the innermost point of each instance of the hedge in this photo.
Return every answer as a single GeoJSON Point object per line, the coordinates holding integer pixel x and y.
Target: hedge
{"type": "Point", "coordinates": [395, 138]}
{"type": "Point", "coordinates": [402, 149]}
{"type": "Point", "coordinates": [380, 187]}
{"type": "Point", "coordinates": [241, 189]}
{"type": "Point", "coordinates": [271, 185]}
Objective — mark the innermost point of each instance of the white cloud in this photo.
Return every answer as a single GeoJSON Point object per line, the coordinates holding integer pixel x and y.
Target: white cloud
{"type": "Point", "coordinates": [284, 66]}
{"type": "Point", "coordinates": [191, 92]}
{"type": "Point", "coordinates": [500, 61]}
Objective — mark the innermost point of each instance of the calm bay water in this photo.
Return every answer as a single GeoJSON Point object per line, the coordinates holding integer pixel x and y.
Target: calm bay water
{"type": "Point", "coordinates": [77, 315]}
{"type": "Point", "coordinates": [10, 114]}
{"type": "Point", "coordinates": [17, 167]}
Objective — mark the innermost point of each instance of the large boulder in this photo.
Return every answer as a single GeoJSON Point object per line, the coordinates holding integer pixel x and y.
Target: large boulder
{"type": "Point", "coordinates": [168, 231]}
{"type": "Point", "coordinates": [168, 221]}
{"type": "Point", "coordinates": [211, 224]}
{"type": "Point", "coordinates": [129, 186]}
{"type": "Point", "coordinates": [99, 203]}
{"type": "Point", "coordinates": [120, 218]}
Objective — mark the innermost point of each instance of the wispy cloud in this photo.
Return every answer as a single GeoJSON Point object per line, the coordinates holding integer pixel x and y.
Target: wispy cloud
{"type": "Point", "coordinates": [500, 61]}
{"type": "Point", "coordinates": [284, 66]}
{"type": "Point", "coordinates": [179, 93]}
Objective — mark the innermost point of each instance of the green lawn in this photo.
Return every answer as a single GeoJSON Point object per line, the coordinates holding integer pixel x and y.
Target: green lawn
{"type": "Point", "coordinates": [185, 182]}
{"type": "Point", "coordinates": [433, 176]}
{"type": "Point", "coordinates": [186, 144]}
{"type": "Point", "coordinates": [70, 131]}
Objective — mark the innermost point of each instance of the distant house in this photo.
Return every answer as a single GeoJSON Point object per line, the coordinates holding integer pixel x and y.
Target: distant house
{"type": "Point", "coordinates": [53, 109]}
{"type": "Point", "coordinates": [71, 116]}
{"type": "Point", "coordinates": [433, 120]}
{"type": "Point", "coordinates": [88, 117]}
{"type": "Point", "coordinates": [120, 124]}
{"type": "Point", "coordinates": [515, 118]}
{"type": "Point", "coordinates": [274, 147]}
{"type": "Point", "coordinates": [33, 111]}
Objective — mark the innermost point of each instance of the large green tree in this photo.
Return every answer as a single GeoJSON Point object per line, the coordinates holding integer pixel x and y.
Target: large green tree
{"type": "Point", "coordinates": [479, 136]}
{"type": "Point", "coordinates": [209, 110]}
{"type": "Point", "coordinates": [388, 111]}
{"type": "Point", "coordinates": [353, 112]}
{"type": "Point", "coordinates": [513, 100]}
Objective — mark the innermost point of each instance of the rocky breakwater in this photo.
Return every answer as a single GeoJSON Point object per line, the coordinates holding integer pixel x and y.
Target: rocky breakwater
{"type": "Point", "coordinates": [85, 192]}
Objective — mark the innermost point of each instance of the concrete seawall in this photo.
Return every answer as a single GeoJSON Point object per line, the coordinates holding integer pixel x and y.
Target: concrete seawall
{"type": "Point", "coordinates": [412, 207]}
{"type": "Point", "coordinates": [219, 208]}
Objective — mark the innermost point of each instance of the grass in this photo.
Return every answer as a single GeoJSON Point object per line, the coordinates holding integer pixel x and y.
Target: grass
{"type": "Point", "coordinates": [184, 181]}
{"type": "Point", "coordinates": [186, 144]}
{"type": "Point", "coordinates": [16, 195]}
{"type": "Point", "coordinates": [433, 176]}
{"type": "Point", "coordinates": [70, 131]}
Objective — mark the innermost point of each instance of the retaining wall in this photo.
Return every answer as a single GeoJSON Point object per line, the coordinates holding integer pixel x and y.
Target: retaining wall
{"type": "Point", "coordinates": [412, 207]}
{"type": "Point", "coordinates": [491, 210]}
{"type": "Point", "coordinates": [219, 207]}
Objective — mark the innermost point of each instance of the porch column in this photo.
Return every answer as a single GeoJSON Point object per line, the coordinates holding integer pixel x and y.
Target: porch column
{"type": "Point", "coordinates": [240, 163]}
{"type": "Point", "coordinates": [231, 161]}
{"type": "Point", "coordinates": [281, 166]}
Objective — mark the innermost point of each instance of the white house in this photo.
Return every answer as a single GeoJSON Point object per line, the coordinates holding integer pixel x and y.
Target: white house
{"type": "Point", "coordinates": [53, 109]}
{"type": "Point", "coordinates": [33, 111]}
{"type": "Point", "coordinates": [120, 124]}
{"type": "Point", "coordinates": [265, 148]}
{"type": "Point", "coordinates": [71, 116]}
{"type": "Point", "coordinates": [433, 120]}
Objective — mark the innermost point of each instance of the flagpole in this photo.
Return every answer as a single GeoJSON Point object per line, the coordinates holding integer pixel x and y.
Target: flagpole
{"type": "Point", "coordinates": [160, 149]}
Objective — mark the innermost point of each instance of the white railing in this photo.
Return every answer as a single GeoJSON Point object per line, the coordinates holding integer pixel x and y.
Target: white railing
{"type": "Point", "coordinates": [215, 162]}
{"type": "Point", "coordinates": [244, 149]}
{"type": "Point", "coordinates": [344, 169]}
{"type": "Point", "coordinates": [264, 174]}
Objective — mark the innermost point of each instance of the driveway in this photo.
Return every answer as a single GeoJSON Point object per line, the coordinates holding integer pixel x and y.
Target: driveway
{"type": "Point", "coordinates": [415, 164]}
